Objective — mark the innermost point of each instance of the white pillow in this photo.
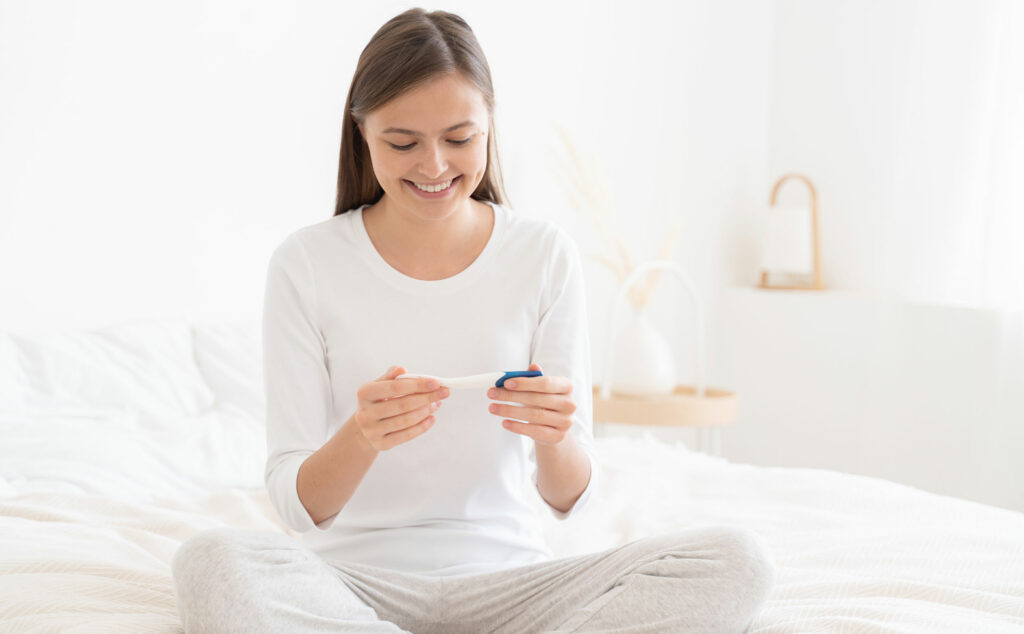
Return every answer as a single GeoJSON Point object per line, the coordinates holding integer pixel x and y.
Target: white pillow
{"type": "Point", "coordinates": [229, 355]}
{"type": "Point", "coordinates": [142, 367]}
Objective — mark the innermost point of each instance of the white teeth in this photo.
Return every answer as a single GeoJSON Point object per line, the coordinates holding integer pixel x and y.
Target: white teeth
{"type": "Point", "coordinates": [434, 188]}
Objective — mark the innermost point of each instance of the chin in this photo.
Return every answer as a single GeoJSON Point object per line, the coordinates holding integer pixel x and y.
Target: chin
{"type": "Point", "coordinates": [434, 209]}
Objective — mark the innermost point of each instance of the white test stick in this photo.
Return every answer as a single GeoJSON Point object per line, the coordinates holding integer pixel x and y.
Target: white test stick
{"type": "Point", "coordinates": [473, 381]}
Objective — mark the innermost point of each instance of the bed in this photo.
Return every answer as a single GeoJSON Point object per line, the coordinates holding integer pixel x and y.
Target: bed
{"type": "Point", "coordinates": [117, 444]}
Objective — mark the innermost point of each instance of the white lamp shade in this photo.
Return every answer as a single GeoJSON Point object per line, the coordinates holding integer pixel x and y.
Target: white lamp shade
{"type": "Point", "coordinates": [787, 244]}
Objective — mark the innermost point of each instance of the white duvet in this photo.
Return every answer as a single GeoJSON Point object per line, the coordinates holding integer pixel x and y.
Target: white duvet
{"type": "Point", "coordinates": [92, 511]}
{"type": "Point", "coordinates": [94, 502]}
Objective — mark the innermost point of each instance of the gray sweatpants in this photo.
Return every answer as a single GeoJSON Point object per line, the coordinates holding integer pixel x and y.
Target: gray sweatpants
{"type": "Point", "coordinates": [705, 579]}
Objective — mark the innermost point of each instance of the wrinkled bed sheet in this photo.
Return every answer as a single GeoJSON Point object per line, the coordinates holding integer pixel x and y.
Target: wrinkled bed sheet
{"type": "Point", "coordinates": [92, 508]}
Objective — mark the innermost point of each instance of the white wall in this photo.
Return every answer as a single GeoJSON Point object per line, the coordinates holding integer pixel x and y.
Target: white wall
{"type": "Point", "coordinates": [152, 154]}
{"type": "Point", "coordinates": [883, 387]}
{"type": "Point", "coordinates": [877, 100]}
{"type": "Point", "coordinates": [905, 369]}
{"type": "Point", "coordinates": [908, 117]}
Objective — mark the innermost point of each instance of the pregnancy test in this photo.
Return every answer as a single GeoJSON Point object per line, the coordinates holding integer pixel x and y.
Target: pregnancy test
{"type": "Point", "coordinates": [487, 379]}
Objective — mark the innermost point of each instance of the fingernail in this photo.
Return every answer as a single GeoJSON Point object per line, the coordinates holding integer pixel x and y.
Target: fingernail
{"type": "Point", "coordinates": [510, 383]}
{"type": "Point", "coordinates": [433, 384]}
{"type": "Point", "coordinates": [492, 392]}
{"type": "Point", "coordinates": [437, 404]}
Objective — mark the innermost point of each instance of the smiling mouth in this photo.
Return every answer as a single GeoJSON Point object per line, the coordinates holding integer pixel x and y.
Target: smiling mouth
{"type": "Point", "coordinates": [433, 188]}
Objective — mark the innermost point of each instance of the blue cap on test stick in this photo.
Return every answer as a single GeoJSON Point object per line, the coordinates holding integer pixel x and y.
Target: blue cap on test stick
{"type": "Point", "coordinates": [512, 375]}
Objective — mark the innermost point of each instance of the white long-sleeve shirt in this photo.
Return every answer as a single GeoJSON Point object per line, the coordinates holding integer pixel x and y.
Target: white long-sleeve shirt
{"type": "Point", "coordinates": [455, 500]}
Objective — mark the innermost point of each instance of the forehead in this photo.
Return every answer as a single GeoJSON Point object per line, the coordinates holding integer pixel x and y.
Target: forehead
{"type": "Point", "coordinates": [432, 107]}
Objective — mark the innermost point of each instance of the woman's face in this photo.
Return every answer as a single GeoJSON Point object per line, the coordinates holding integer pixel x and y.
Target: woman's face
{"type": "Point", "coordinates": [428, 145]}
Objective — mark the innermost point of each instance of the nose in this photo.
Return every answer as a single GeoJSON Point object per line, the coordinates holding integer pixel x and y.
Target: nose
{"type": "Point", "coordinates": [434, 162]}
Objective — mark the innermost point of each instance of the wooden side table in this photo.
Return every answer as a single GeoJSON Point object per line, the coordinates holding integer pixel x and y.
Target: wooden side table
{"type": "Point", "coordinates": [682, 408]}
{"type": "Point", "coordinates": [705, 408]}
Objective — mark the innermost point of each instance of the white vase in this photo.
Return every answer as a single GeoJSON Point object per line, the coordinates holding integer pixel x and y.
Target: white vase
{"type": "Point", "coordinates": [643, 360]}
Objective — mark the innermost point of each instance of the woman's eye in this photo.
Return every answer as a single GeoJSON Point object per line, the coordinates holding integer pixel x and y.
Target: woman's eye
{"type": "Point", "coordinates": [403, 148]}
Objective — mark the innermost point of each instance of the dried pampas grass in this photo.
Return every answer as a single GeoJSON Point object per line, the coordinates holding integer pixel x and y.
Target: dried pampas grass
{"type": "Point", "coordinates": [587, 190]}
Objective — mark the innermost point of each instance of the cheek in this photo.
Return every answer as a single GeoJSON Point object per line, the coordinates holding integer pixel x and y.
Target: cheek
{"type": "Point", "coordinates": [480, 158]}
{"type": "Point", "coordinates": [385, 164]}
{"type": "Point", "coordinates": [374, 160]}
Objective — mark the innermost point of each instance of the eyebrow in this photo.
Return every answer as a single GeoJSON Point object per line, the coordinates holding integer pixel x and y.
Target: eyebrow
{"type": "Point", "coordinates": [414, 133]}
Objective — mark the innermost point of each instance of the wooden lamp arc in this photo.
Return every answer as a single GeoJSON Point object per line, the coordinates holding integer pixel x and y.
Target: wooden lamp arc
{"type": "Point", "coordinates": [816, 283]}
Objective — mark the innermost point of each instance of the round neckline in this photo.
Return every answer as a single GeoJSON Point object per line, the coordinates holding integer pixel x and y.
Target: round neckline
{"type": "Point", "coordinates": [403, 282]}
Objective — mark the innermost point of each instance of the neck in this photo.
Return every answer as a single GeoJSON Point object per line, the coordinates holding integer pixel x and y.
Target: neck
{"type": "Point", "coordinates": [420, 238]}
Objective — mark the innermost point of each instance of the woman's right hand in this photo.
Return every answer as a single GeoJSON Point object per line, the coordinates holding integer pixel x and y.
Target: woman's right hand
{"type": "Point", "coordinates": [394, 411]}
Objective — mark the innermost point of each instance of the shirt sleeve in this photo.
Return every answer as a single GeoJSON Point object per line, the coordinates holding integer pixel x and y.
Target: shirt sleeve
{"type": "Point", "coordinates": [561, 346]}
{"type": "Point", "coordinates": [296, 380]}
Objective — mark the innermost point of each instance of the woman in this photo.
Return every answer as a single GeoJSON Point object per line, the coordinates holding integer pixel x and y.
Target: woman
{"type": "Point", "coordinates": [416, 516]}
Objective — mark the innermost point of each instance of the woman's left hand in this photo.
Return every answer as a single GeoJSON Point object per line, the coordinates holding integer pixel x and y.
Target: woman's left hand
{"type": "Point", "coordinates": [547, 406]}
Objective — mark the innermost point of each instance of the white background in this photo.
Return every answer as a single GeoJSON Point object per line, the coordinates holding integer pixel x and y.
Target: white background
{"type": "Point", "coordinates": [153, 153]}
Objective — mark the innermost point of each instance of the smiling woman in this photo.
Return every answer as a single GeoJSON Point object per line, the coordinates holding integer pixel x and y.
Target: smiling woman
{"type": "Point", "coordinates": [418, 148]}
{"type": "Point", "coordinates": [413, 517]}
{"type": "Point", "coordinates": [426, 223]}
{"type": "Point", "coordinates": [384, 110]}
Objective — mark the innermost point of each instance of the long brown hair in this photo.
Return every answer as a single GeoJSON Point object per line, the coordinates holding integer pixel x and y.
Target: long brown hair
{"type": "Point", "coordinates": [411, 48]}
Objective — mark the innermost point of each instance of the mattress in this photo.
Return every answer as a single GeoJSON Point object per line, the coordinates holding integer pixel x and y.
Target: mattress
{"type": "Point", "coordinates": [92, 510]}
{"type": "Point", "coordinates": [116, 447]}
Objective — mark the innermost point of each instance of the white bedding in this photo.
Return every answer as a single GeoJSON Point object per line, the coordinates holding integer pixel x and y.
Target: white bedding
{"type": "Point", "coordinates": [93, 505]}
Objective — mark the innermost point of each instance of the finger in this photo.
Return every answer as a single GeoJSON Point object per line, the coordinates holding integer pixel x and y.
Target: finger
{"type": "Point", "coordinates": [401, 387]}
{"type": "Point", "coordinates": [377, 390]}
{"type": "Point", "coordinates": [407, 434]}
{"type": "Point", "coordinates": [399, 405]}
{"type": "Point", "coordinates": [534, 415]}
{"type": "Point", "coordinates": [519, 382]}
{"type": "Point", "coordinates": [547, 384]}
{"type": "Point", "coordinates": [406, 419]}
{"type": "Point", "coordinates": [394, 388]}
{"type": "Point", "coordinates": [540, 433]}
{"type": "Point", "coordinates": [554, 402]}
